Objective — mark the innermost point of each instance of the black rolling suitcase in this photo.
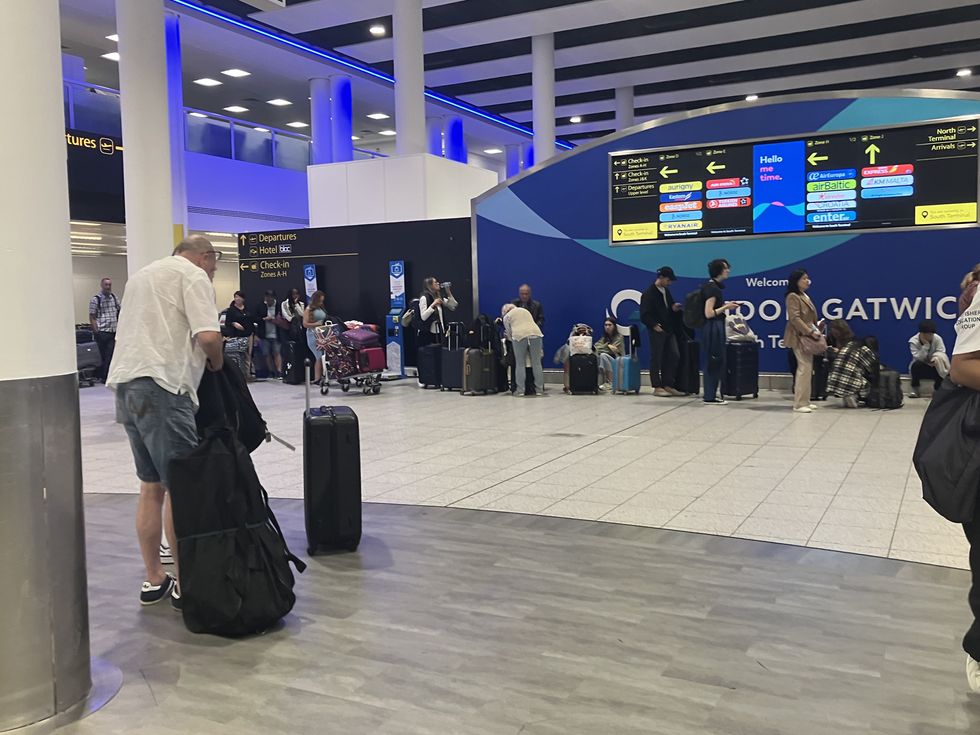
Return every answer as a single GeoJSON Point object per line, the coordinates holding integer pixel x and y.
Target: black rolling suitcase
{"type": "Point", "coordinates": [741, 376]}
{"type": "Point", "coordinates": [429, 366]}
{"type": "Point", "coordinates": [583, 374]}
{"type": "Point", "coordinates": [688, 376]}
{"type": "Point", "coordinates": [453, 357]}
{"type": "Point", "coordinates": [294, 356]}
{"type": "Point", "coordinates": [331, 478]}
{"type": "Point", "coordinates": [818, 384]}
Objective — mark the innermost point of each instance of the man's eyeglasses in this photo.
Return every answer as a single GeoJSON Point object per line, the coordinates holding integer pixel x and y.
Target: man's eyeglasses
{"type": "Point", "coordinates": [215, 253]}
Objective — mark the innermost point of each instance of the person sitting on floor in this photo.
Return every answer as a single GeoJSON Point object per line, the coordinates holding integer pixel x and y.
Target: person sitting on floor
{"type": "Point", "coordinates": [608, 348]}
{"type": "Point", "coordinates": [854, 371]}
{"type": "Point", "coordinates": [929, 359]}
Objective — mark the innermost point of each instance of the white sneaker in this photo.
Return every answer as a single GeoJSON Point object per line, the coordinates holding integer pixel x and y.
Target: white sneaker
{"type": "Point", "coordinates": [605, 387]}
{"type": "Point", "coordinates": [716, 402]}
{"type": "Point", "coordinates": [166, 555]}
{"type": "Point", "coordinates": [973, 673]}
{"type": "Point", "coordinates": [850, 402]}
{"type": "Point", "coordinates": [814, 406]}
{"type": "Point", "coordinates": [804, 409]}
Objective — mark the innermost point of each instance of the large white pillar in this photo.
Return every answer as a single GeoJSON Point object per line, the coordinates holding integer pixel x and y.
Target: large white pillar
{"type": "Point", "coordinates": [320, 129]}
{"type": "Point", "coordinates": [624, 108]}
{"type": "Point", "coordinates": [341, 118]}
{"type": "Point", "coordinates": [409, 77]}
{"type": "Point", "coordinates": [44, 634]}
{"type": "Point", "coordinates": [143, 86]}
{"type": "Point", "coordinates": [543, 95]}
{"type": "Point", "coordinates": [175, 105]}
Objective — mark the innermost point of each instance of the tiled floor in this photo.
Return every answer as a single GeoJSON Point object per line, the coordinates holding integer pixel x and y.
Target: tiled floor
{"type": "Point", "coordinates": [835, 479]}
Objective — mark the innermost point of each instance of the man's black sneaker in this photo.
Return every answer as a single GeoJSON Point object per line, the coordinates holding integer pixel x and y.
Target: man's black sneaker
{"type": "Point", "coordinates": [166, 555]}
{"type": "Point", "coordinates": [175, 601]}
{"type": "Point", "coordinates": [151, 594]}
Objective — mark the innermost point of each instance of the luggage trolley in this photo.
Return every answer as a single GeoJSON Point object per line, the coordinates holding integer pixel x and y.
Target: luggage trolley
{"type": "Point", "coordinates": [340, 363]}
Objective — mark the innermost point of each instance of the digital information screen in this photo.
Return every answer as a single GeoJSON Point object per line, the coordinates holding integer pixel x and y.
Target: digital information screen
{"type": "Point", "coordinates": [892, 177]}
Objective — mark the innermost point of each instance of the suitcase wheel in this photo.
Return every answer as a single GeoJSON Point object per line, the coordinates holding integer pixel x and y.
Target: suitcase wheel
{"type": "Point", "coordinates": [324, 389]}
{"type": "Point", "coordinates": [311, 550]}
{"type": "Point", "coordinates": [376, 389]}
{"type": "Point", "coordinates": [345, 386]}
{"type": "Point", "coordinates": [738, 398]}
{"type": "Point", "coordinates": [352, 547]}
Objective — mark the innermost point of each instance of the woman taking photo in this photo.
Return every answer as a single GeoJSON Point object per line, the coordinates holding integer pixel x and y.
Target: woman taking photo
{"type": "Point", "coordinates": [712, 334]}
{"type": "Point", "coordinates": [801, 325]}
{"type": "Point", "coordinates": [315, 316]}
{"type": "Point", "coordinates": [608, 349]}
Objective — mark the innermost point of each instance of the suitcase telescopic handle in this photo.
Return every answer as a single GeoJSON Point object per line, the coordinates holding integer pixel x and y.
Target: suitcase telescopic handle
{"type": "Point", "coordinates": [306, 379]}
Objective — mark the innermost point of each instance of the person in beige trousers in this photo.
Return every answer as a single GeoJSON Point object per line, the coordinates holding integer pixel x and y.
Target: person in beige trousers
{"type": "Point", "coordinates": [801, 324]}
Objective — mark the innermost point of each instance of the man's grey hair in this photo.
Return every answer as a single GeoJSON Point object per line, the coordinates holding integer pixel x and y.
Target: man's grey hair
{"type": "Point", "coordinates": [506, 308]}
{"type": "Point", "coordinates": [193, 244]}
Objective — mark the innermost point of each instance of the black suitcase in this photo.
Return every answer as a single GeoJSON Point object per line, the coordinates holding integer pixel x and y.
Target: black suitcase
{"type": "Point", "coordinates": [429, 366]}
{"type": "Point", "coordinates": [818, 384]}
{"type": "Point", "coordinates": [741, 376]}
{"type": "Point", "coordinates": [479, 371]}
{"type": "Point", "coordinates": [583, 374]}
{"type": "Point", "coordinates": [452, 358]}
{"type": "Point", "coordinates": [331, 478]}
{"type": "Point", "coordinates": [294, 356]}
{"type": "Point", "coordinates": [688, 376]}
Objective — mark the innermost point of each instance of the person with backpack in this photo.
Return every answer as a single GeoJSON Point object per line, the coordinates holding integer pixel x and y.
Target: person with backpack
{"type": "Point", "coordinates": [705, 311]}
{"type": "Point", "coordinates": [657, 309]}
{"type": "Point", "coordinates": [103, 316]}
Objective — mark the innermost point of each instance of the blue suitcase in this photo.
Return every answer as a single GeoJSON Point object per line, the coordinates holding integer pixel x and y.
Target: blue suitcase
{"type": "Point", "coordinates": [626, 369]}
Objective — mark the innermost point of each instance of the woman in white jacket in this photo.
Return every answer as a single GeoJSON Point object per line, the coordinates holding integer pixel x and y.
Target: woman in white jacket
{"type": "Point", "coordinates": [525, 334]}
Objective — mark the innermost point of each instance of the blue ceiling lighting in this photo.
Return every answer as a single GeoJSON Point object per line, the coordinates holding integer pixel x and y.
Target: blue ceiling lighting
{"type": "Point", "coordinates": [359, 68]}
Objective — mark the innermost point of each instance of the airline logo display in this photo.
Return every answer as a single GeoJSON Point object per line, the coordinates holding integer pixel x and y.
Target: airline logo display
{"type": "Point", "coordinates": [907, 176]}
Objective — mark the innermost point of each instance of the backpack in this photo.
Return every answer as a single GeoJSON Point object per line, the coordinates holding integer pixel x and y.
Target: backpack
{"type": "Point", "coordinates": [482, 334]}
{"type": "Point", "coordinates": [694, 310]}
{"type": "Point", "coordinates": [887, 393]}
{"type": "Point", "coordinates": [224, 399]}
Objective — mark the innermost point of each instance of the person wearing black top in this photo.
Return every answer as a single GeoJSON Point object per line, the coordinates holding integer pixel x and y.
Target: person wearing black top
{"type": "Point", "coordinates": [657, 309]}
{"type": "Point", "coordinates": [712, 334]}
{"type": "Point", "coordinates": [237, 331]}
{"type": "Point", "coordinates": [525, 301]}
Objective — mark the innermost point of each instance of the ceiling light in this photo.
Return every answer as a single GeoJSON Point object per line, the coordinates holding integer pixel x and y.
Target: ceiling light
{"type": "Point", "coordinates": [262, 130]}
{"type": "Point", "coordinates": [235, 108]}
{"type": "Point", "coordinates": [207, 82]}
{"type": "Point", "coordinates": [377, 30]}
{"type": "Point", "coordinates": [297, 124]}
{"type": "Point", "coordinates": [492, 151]}
{"type": "Point", "coordinates": [279, 102]}
{"type": "Point", "coordinates": [112, 56]}
{"type": "Point", "coordinates": [964, 72]}
{"type": "Point", "coordinates": [386, 132]}
{"type": "Point", "coordinates": [197, 114]}
{"type": "Point", "coordinates": [355, 137]}
{"type": "Point", "coordinates": [114, 37]}
{"type": "Point", "coordinates": [378, 116]}
{"type": "Point", "coordinates": [219, 234]}
{"type": "Point", "coordinates": [85, 224]}
{"type": "Point", "coordinates": [575, 119]}
{"type": "Point", "coordinates": [751, 97]}
{"type": "Point", "coordinates": [236, 73]}
{"type": "Point", "coordinates": [83, 236]}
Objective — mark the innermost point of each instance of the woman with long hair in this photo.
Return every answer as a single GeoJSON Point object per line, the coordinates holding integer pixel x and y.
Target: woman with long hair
{"type": "Point", "coordinates": [608, 348]}
{"type": "Point", "coordinates": [801, 325]}
{"type": "Point", "coordinates": [968, 289]}
{"type": "Point", "coordinates": [314, 316]}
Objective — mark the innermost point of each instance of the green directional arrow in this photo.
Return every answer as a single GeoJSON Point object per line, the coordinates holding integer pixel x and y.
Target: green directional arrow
{"type": "Point", "coordinates": [872, 151]}
{"type": "Point", "coordinates": [666, 171]}
{"type": "Point", "coordinates": [814, 158]}
{"type": "Point", "coordinates": [712, 167]}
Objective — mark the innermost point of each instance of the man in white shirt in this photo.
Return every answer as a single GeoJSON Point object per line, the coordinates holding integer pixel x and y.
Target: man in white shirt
{"type": "Point", "coordinates": [166, 336]}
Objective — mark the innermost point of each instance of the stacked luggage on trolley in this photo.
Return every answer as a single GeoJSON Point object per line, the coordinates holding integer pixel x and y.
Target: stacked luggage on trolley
{"type": "Point", "coordinates": [352, 356]}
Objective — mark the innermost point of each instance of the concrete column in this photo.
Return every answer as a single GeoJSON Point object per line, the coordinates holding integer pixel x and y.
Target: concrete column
{"type": "Point", "coordinates": [341, 118]}
{"type": "Point", "coordinates": [624, 108]}
{"type": "Point", "coordinates": [320, 126]}
{"type": "Point", "coordinates": [144, 103]}
{"type": "Point", "coordinates": [455, 140]}
{"type": "Point", "coordinates": [409, 77]}
{"type": "Point", "coordinates": [543, 95]}
{"type": "Point", "coordinates": [433, 136]}
{"type": "Point", "coordinates": [527, 156]}
{"type": "Point", "coordinates": [175, 105]}
{"type": "Point", "coordinates": [513, 153]}
{"type": "Point", "coordinates": [44, 631]}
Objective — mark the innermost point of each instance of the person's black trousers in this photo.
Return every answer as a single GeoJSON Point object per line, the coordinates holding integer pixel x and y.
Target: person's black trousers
{"type": "Point", "coordinates": [664, 358]}
{"type": "Point", "coordinates": [971, 641]}
{"type": "Point", "coordinates": [107, 345]}
{"type": "Point", "coordinates": [921, 370]}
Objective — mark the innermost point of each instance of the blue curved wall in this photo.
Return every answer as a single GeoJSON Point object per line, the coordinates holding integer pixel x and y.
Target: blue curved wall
{"type": "Point", "coordinates": [550, 229]}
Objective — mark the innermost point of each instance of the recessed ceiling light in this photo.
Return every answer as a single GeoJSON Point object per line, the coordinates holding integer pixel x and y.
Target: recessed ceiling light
{"type": "Point", "coordinates": [297, 124]}
{"type": "Point", "coordinates": [197, 114]}
{"type": "Point", "coordinates": [235, 108]}
{"type": "Point", "coordinates": [112, 56]}
{"type": "Point", "coordinates": [574, 119]}
{"type": "Point", "coordinates": [219, 234]}
{"type": "Point", "coordinates": [84, 224]}
{"type": "Point", "coordinates": [964, 72]}
{"type": "Point", "coordinates": [114, 37]}
{"type": "Point", "coordinates": [492, 151]}
{"type": "Point", "coordinates": [386, 132]}
{"type": "Point", "coordinates": [377, 30]}
{"type": "Point", "coordinates": [236, 73]}
{"type": "Point", "coordinates": [262, 130]}
{"type": "Point", "coordinates": [355, 137]}
{"type": "Point", "coordinates": [279, 102]}
{"type": "Point", "coordinates": [83, 236]}
{"type": "Point", "coordinates": [207, 82]}
{"type": "Point", "coordinates": [378, 116]}
{"type": "Point", "coordinates": [751, 97]}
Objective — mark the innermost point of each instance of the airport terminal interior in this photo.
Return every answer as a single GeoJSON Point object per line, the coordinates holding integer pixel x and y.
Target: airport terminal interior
{"type": "Point", "coordinates": [586, 366]}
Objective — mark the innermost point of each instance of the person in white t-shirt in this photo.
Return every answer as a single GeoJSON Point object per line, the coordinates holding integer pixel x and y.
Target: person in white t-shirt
{"type": "Point", "coordinates": [167, 334]}
{"type": "Point", "coordinates": [965, 371]}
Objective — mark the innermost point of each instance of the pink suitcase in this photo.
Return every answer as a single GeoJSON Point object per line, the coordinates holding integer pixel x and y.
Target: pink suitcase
{"type": "Point", "coordinates": [371, 360]}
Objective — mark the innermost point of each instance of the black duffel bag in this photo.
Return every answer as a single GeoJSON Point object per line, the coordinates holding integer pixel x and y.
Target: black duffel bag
{"type": "Point", "coordinates": [947, 452]}
{"type": "Point", "coordinates": [224, 399]}
{"type": "Point", "coordinates": [234, 563]}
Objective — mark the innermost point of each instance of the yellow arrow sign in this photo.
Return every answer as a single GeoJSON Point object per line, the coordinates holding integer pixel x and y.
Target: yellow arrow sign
{"type": "Point", "coordinates": [665, 171]}
{"type": "Point", "coordinates": [241, 239]}
{"type": "Point", "coordinates": [243, 266]}
{"type": "Point", "coordinates": [712, 167]}
{"type": "Point", "coordinates": [872, 151]}
{"type": "Point", "coordinates": [972, 129]}
{"type": "Point", "coordinates": [815, 158]}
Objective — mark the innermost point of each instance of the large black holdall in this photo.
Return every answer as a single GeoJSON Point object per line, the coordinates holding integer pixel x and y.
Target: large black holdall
{"type": "Point", "coordinates": [331, 478]}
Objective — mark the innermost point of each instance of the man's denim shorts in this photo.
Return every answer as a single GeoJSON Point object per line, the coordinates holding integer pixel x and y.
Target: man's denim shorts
{"type": "Point", "coordinates": [160, 426]}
